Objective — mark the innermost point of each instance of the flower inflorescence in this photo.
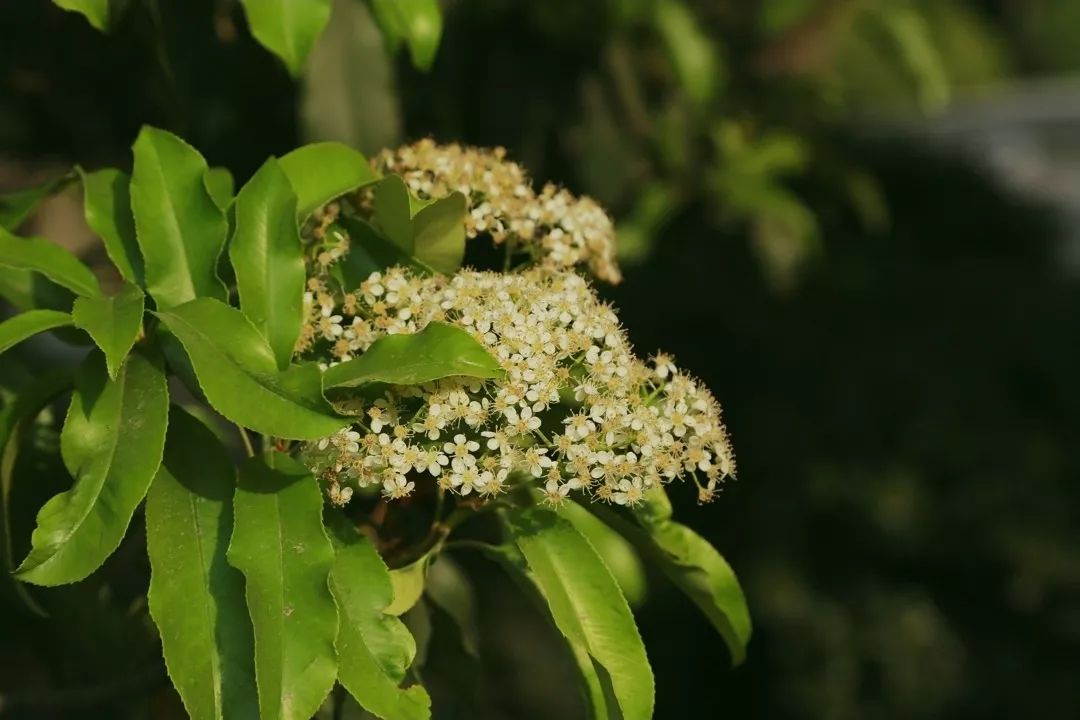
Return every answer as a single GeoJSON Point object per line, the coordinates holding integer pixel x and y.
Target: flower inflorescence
{"type": "Point", "coordinates": [559, 229]}
{"type": "Point", "coordinates": [576, 410]}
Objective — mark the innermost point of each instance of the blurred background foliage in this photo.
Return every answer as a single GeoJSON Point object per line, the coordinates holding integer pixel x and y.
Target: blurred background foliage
{"type": "Point", "coordinates": [857, 220]}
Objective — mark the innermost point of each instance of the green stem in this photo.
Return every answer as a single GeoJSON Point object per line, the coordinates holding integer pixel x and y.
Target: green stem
{"type": "Point", "coordinates": [248, 448]}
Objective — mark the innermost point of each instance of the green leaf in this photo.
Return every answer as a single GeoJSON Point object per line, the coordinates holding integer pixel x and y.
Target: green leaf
{"type": "Point", "coordinates": [268, 259]}
{"type": "Point", "coordinates": [393, 212]}
{"type": "Point", "coordinates": [113, 322]}
{"type": "Point", "coordinates": [48, 259]}
{"type": "Point", "coordinates": [369, 251]}
{"type": "Point", "coordinates": [17, 206]}
{"type": "Point", "coordinates": [180, 229]}
{"type": "Point", "coordinates": [418, 23]}
{"type": "Point", "coordinates": [408, 585]}
{"type": "Point", "coordinates": [288, 28]}
{"type": "Point", "coordinates": [374, 648]}
{"type": "Point", "coordinates": [27, 290]}
{"type": "Point", "coordinates": [618, 554]}
{"type": "Point", "coordinates": [237, 372]}
{"type": "Point", "coordinates": [586, 604]}
{"type": "Point", "coordinates": [439, 350]}
{"type": "Point", "coordinates": [279, 544]}
{"type": "Point", "coordinates": [323, 171]}
{"type": "Point", "coordinates": [692, 52]}
{"type": "Point", "coordinates": [15, 416]}
{"type": "Point", "coordinates": [96, 12]}
{"type": "Point", "coordinates": [112, 444]}
{"type": "Point", "coordinates": [28, 324]}
{"type": "Point", "coordinates": [195, 597]}
{"type": "Point", "coordinates": [439, 233]}
{"type": "Point", "coordinates": [221, 186]}
{"type": "Point", "coordinates": [107, 207]}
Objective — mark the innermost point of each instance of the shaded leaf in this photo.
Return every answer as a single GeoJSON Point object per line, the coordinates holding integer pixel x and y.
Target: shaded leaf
{"type": "Point", "coordinates": [113, 322]}
{"type": "Point", "coordinates": [439, 234]}
{"type": "Point", "coordinates": [369, 251]}
{"type": "Point", "coordinates": [374, 648]}
{"type": "Point", "coordinates": [692, 52]}
{"type": "Point", "coordinates": [238, 374]}
{"type": "Point", "coordinates": [27, 290]}
{"type": "Point", "coordinates": [179, 228]}
{"type": "Point", "coordinates": [17, 206]}
{"type": "Point", "coordinates": [24, 325]}
{"type": "Point", "coordinates": [288, 28]}
{"type": "Point", "coordinates": [439, 350]}
{"type": "Point", "coordinates": [279, 544]}
{"type": "Point", "coordinates": [268, 259]}
{"type": "Point", "coordinates": [323, 171]}
{"type": "Point", "coordinates": [586, 604]}
{"type": "Point", "coordinates": [417, 23]}
{"type": "Point", "coordinates": [393, 212]}
{"type": "Point", "coordinates": [112, 444]}
{"type": "Point", "coordinates": [107, 207]}
{"type": "Point", "coordinates": [54, 262]}
{"type": "Point", "coordinates": [195, 598]}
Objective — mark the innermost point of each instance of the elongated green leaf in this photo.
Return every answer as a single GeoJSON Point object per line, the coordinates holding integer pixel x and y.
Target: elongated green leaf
{"type": "Point", "coordinates": [418, 23]}
{"type": "Point", "coordinates": [221, 186]}
{"type": "Point", "coordinates": [691, 563]}
{"type": "Point", "coordinates": [112, 444]}
{"type": "Point", "coordinates": [268, 259]}
{"type": "Point", "coordinates": [27, 290]}
{"type": "Point", "coordinates": [393, 212]}
{"type": "Point", "coordinates": [439, 350]}
{"type": "Point", "coordinates": [439, 233]}
{"type": "Point", "coordinates": [408, 586]}
{"type": "Point", "coordinates": [288, 28]}
{"type": "Point", "coordinates": [27, 324]}
{"type": "Point", "coordinates": [195, 597]}
{"type": "Point", "coordinates": [618, 554]}
{"type": "Point", "coordinates": [279, 544]}
{"type": "Point", "coordinates": [586, 604]}
{"type": "Point", "coordinates": [113, 322]}
{"type": "Point", "coordinates": [15, 416]}
{"type": "Point", "coordinates": [52, 261]}
{"type": "Point", "coordinates": [180, 229]}
{"type": "Point", "coordinates": [96, 12]}
{"type": "Point", "coordinates": [323, 171]}
{"type": "Point", "coordinates": [107, 207]}
{"type": "Point", "coordinates": [17, 206]}
{"type": "Point", "coordinates": [237, 372]}
{"type": "Point", "coordinates": [374, 648]}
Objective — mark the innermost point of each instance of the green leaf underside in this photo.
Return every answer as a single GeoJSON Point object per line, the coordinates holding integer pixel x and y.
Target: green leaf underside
{"type": "Point", "coordinates": [113, 322]}
{"type": "Point", "coordinates": [196, 598]}
{"type": "Point", "coordinates": [418, 23]}
{"type": "Point", "coordinates": [374, 648]}
{"type": "Point", "coordinates": [52, 261]}
{"type": "Point", "coordinates": [268, 259]}
{"type": "Point", "coordinates": [179, 228]}
{"type": "Point", "coordinates": [18, 206]}
{"type": "Point", "coordinates": [112, 445]}
{"type": "Point", "coordinates": [14, 418]}
{"type": "Point", "coordinates": [107, 207]}
{"type": "Point", "coordinates": [27, 324]}
{"type": "Point", "coordinates": [221, 186]}
{"type": "Point", "coordinates": [586, 604]}
{"type": "Point", "coordinates": [323, 171]}
{"type": "Point", "coordinates": [280, 546]}
{"type": "Point", "coordinates": [288, 28]}
{"type": "Point", "coordinates": [238, 373]}
{"type": "Point", "coordinates": [439, 350]}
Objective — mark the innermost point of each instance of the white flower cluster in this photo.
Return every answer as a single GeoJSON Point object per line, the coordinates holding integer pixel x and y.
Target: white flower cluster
{"type": "Point", "coordinates": [576, 409]}
{"type": "Point", "coordinates": [559, 229]}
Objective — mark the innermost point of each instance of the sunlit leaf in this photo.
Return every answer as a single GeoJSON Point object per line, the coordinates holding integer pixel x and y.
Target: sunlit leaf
{"type": "Point", "coordinates": [107, 207]}
{"type": "Point", "coordinates": [586, 604]}
{"type": "Point", "coordinates": [374, 648]}
{"type": "Point", "coordinates": [408, 586]}
{"type": "Point", "coordinates": [280, 546]}
{"type": "Point", "coordinates": [112, 444]}
{"type": "Point", "coordinates": [237, 371]}
{"type": "Point", "coordinates": [221, 186]}
{"type": "Point", "coordinates": [323, 171]}
{"type": "Point", "coordinates": [268, 259]}
{"type": "Point", "coordinates": [113, 322]}
{"type": "Point", "coordinates": [195, 598]}
{"type": "Point", "coordinates": [617, 553]}
{"type": "Point", "coordinates": [24, 325]}
{"type": "Point", "coordinates": [45, 258]}
{"type": "Point", "coordinates": [417, 23]}
{"type": "Point", "coordinates": [180, 229]}
{"type": "Point", "coordinates": [288, 28]}
{"type": "Point", "coordinates": [439, 350]}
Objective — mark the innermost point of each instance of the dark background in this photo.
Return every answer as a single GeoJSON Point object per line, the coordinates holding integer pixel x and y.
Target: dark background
{"type": "Point", "coordinates": [864, 236]}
